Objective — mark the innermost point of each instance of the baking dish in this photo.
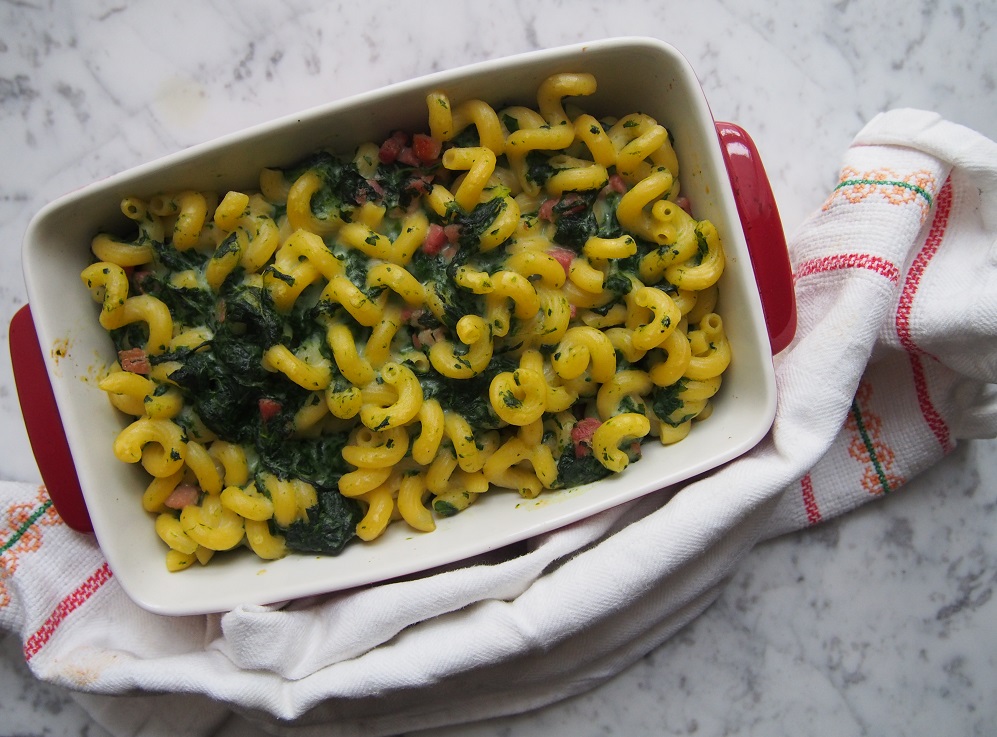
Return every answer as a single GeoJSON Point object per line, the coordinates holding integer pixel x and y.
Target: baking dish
{"type": "Point", "coordinates": [60, 351]}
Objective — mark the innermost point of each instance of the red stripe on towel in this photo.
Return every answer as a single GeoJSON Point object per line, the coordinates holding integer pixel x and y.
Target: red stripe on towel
{"type": "Point", "coordinates": [912, 283]}
{"type": "Point", "coordinates": [809, 500]}
{"type": "Point", "coordinates": [840, 261]}
{"type": "Point", "coordinates": [66, 607]}
{"type": "Point", "coordinates": [931, 416]}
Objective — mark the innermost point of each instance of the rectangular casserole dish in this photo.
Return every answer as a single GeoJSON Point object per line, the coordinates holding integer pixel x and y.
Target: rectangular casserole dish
{"type": "Point", "coordinates": [720, 174]}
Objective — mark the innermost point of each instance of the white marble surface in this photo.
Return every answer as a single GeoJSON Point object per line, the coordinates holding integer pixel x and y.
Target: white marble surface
{"type": "Point", "coordinates": [881, 622]}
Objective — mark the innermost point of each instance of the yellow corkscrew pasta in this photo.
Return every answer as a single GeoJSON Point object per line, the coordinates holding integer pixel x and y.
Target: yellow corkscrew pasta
{"type": "Point", "coordinates": [517, 299]}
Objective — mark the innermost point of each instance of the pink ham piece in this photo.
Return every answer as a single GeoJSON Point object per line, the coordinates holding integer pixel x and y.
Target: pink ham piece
{"type": "Point", "coordinates": [182, 496]}
{"type": "Point", "coordinates": [269, 408]}
{"type": "Point", "coordinates": [392, 147]}
{"type": "Point", "coordinates": [436, 238]}
{"type": "Point", "coordinates": [135, 361]}
{"type": "Point", "coordinates": [581, 435]}
{"type": "Point", "coordinates": [407, 156]}
{"type": "Point", "coordinates": [426, 148]}
{"type": "Point", "coordinates": [563, 256]}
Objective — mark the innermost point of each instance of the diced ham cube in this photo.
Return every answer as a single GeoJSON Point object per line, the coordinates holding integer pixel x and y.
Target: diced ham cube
{"type": "Point", "coordinates": [436, 238]}
{"type": "Point", "coordinates": [388, 153]}
{"type": "Point", "coordinates": [452, 232]}
{"type": "Point", "coordinates": [182, 496]}
{"type": "Point", "coordinates": [135, 361]}
{"type": "Point", "coordinates": [269, 408]}
{"type": "Point", "coordinates": [546, 211]}
{"type": "Point", "coordinates": [581, 435]}
{"type": "Point", "coordinates": [407, 156]}
{"type": "Point", "coordinates": [426, 148]}
{"type": "Point", "coordinates": [563, 256]}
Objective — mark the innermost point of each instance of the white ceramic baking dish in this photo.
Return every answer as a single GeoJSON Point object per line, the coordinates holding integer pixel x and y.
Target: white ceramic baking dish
{"type": "Point", "coordinates": [72, 426]}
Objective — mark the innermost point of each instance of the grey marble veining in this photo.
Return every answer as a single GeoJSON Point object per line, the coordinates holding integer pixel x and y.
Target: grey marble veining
{"type": "Point", "coordinates": [881, 622]}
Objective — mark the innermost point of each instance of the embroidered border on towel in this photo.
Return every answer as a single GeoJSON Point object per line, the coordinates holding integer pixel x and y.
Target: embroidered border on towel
{"type": "Point", "coordinates": [19, 532]}
{"type": "Point", "coordinates": [66, 607]}
{"type": "Point", "coordinates": [887, 183]}
{"type": "Point", "coordinates": [809, 500]}
{"type": "Point", "coordinates": [836, 262]}
{"type": "Point", "coordinates": [868, 446]}
{"type": "Point", "coordinates": [25, 521]}
{"type": "Point", "coordinates": [912, 283]}
{"type": "Point", "coordinates": [894, 188]}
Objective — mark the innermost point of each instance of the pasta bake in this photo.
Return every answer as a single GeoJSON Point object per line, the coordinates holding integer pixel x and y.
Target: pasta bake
{"type": "Point", "coordinates": [515, 298]}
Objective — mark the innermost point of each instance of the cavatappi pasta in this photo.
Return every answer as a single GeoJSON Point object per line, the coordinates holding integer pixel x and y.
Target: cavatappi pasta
{"type": "Point", "coordinates": [516, 299]}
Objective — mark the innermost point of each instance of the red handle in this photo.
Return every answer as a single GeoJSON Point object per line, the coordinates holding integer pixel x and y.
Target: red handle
{"type": "Point", "coordinates": [763, 232]}
{"type": "Point", "coordinates": [42, 421]}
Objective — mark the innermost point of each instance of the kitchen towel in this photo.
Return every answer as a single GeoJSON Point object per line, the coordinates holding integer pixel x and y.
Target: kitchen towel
{"type": "Point", "coordinates": [894, 362]}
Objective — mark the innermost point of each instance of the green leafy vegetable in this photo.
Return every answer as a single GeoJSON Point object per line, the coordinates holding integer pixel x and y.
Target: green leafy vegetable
{"type": "Point", "coordinates": [538, 168]}
{"type": "Point", "coordinates": [576, 222]}
{"type": "Point", "coordinates": [330, 526]}
{"type": "Point", "coordinates": [318, 460]}
{"type": "Point", "coordinates": [665, 401]}
{"type": "Point", "coordinates": [575, 471]}
{"type": "Point", "coordinates": [468, 397]}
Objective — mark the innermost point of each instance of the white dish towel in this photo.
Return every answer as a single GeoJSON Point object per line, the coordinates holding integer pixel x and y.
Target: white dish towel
{"type": "Point", "coordinates": [894, 362]}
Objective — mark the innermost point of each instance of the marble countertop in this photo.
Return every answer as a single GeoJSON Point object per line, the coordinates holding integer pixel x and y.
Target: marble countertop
{"type": "Point", "coordinates": [879, 622]}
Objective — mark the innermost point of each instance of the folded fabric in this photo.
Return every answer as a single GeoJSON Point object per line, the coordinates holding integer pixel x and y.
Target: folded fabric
{"type": "Point", "coordinates": [894, 362]}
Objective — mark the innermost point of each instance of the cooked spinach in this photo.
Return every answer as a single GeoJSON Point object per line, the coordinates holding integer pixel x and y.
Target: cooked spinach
{"type": "Point", "coordinates": [665, 400]}
{"type": "Point", "coordinates": [224, 380]}
{"type": "Point", "coordinates": [437, 270]}
{"type": "Point", "coordinates": [400, 183]}
{"type": "Point", "coordinates": [468, 397]}
{"type": "Point", "coordinates": [133, 335]}
{"type": "Point", "coordinates": [188, 305]}
{"type": "Point", "coordinates": [224, 388]}
{"type": "Point", "coordinates": [618, 281]}
{"type": "Point", "coordinates": [330, 526]}
{"type": "Point", "coordinates": [472, 225]}
{"type": "Point", "coordinates": [252, 316]}
{"type": "Point", "coordinates": [702, 247]}
{"type": "Point", "coordinates": [357, 265]}
{"type": "Point", "coordinates": [609, 226]}
{"type": "Point", "coordinates": [538, 168]}
{"type": "Point", "coordinates": [575, 219]}
{"type": "Point", "coordinates": [318, 460]}
{"type": "Point", "coordinates": [629, 404]}
{"type": "Point", "coordinates": [302, 322]}
{"type": "Point", "coordinates": [444, 508]}
{"type": "Point", "coordinates": [575, 471]}
{"type": "Point", "coordinates": [511, 123]}
{"type": "Point", "coordinates": [343, 187]}
{"type": "Point", "coordinates": [467, 138]}
{"type": "Point", "coordinates": [456, 301]}
{"type": "Point", "coordinates": [174, 260]}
